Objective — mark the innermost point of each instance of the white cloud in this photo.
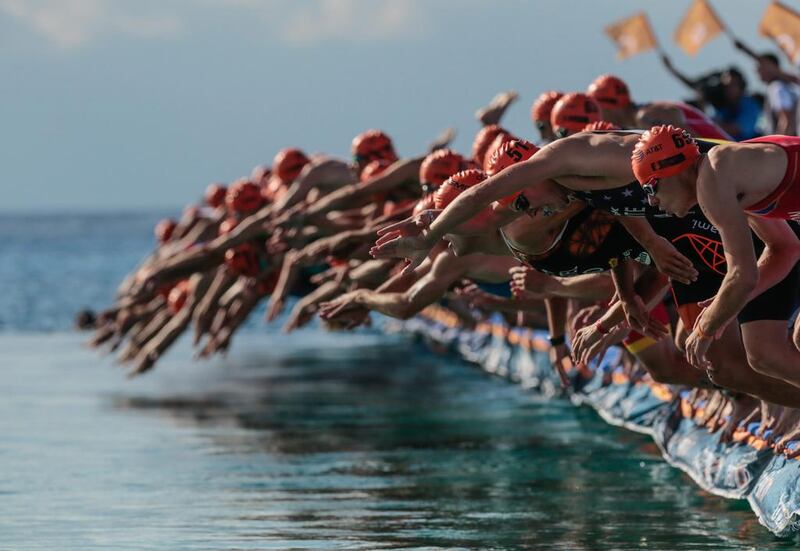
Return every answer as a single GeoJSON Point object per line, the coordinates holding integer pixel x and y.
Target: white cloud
{"type": "Point", "coordinates": [73, 23]}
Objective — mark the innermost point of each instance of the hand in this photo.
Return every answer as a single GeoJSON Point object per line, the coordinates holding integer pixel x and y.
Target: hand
{"type": "Point", "coordinates": [413, 225]}
{"type": "Point", "coordinates": [275, 307]}
{"type": "Point", "coordinates": [492, 113]}
{"type": "Point", "coordinates": [202, 321]}
{"type": "Point", "coordinates": [331, 309]}
{"type": "Point", "coordinates": [636, 314]}
{"type": "Point", "coordinates": [526, 279]}
{"type": "Point", "coordinates": [335, 273]}
{"type": "Point", "coordinates": [670, 262]}
{"type": "Point", "coordinates": [585, 316]}
{"type": "Point", "coordinates": [696, 349]}
{"type": "Point", "coordinates": [559, 357]}
{"type": "Point", "coordinates": [442, 140]}
{"type": "Point", "coordinates": [585, 339]}
{"type": "Point", "coordinates": [415, 249]}
{"type": "Point", "coordinates": [300, 316]}
{"type": "Point", "coordinates": [704, 304]}
{"type": "Point", "coordinates": [476, 297]}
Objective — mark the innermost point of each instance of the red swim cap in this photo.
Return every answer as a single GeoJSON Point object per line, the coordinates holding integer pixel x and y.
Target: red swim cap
{"type": "Point", "coordinates": [572, 113]}
{"type": "Point", "coordinates": [663, 151]}
{"type": "Point", "coordinates": [495, 145]}
{"type": "Point", "coordinates": [483, 139]}
{"type": "Point", "coordinates": [543, 106]}
{"type": "Point", "coordinates": [453, 186]}
{"type": "Point", "coordinates": [288, 163]}
{"type": "Point", "coordinates": [164, 230]}
{"type": "Point", "coordinates": [609, 91]}
{"type": "Point", "coordinates": [176, 299]}
{"type": "Point", "coordinates": [243, 260]}
{"type": "Point", "coordinates": [371, 145]}
{"type": "Point", "coordinates": [373, 169]}
{"type": "Point", "coordinates": [509, 153]}
{"type": "Point", "coordinates": [215, 195]}
{"type": "Point", "coordinates": [600, 125]}
{"type": "Point", "coordinates": [439, 166]}
{"type": "Point", "coordinates": [243, 197]}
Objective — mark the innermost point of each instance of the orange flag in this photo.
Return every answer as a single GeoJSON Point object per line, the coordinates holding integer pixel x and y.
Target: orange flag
{"type": "Point", "coordinates": [782, 24]}
{"type": "Point", "coordinates": [699, 26]}
{"type": "Point", "coordinates": [632, 35]}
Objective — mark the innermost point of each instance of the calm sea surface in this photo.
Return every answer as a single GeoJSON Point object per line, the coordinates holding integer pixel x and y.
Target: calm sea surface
{"type": "Point", "coordinates": [312, 441]}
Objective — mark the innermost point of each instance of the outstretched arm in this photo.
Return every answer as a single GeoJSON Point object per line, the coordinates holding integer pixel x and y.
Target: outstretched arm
{"type": "Point", "coordinates": [314, 174]}
{"type": "Point", "coordinates": [717, 197]}
{"type": "Point", "coordinates": [446, 270]}
{"type": "Point", "coordinates": [676, 73]}
{"type": "Point", "coordinates": [348, 196]}
{"type": "Point", "coordinates": [666, 257]}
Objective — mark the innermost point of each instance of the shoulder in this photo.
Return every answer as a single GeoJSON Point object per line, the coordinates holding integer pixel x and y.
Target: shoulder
{"type": "Point", "coordinates": [718, 158]}
{"type": "Point", "coordinates": [724, 165]}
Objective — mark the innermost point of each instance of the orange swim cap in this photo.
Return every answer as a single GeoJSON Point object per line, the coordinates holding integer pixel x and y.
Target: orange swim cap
{"type": "Point", "coordinates": [494, 146]}
{"type": "Point", "coordinates": [600, 125]}
{"type": "Point", "coordinates": [609, 91]}
{"type": "Point", "coordinates": [513, 151]}
{"type": "Point", "coordinates": [373, 169]}
{"type": "Point", "coordinates": [288, 164]}
{"type": "Point", "coordinates": [164, 230]}
{"type": "Point", "coordinates": [663, 151]}
{"type": "Point", "coordinates": [215, 195]}
{"type": "Point", "coordinates": [243, 197]}
{"type": "Point", "coordinates": [439, 166]}
{"type": "Point", "coordinates": [457, 183]}
{"type": "Point", "coordinates": [543, 106]}
{"type": "Point", "coordinates": [483, 139]}
{"type": "Point", "coordinates": [572, 113]}
{"type": "Point", "coordinates": [510, 153]}
{"type": "Point", "coordinates": [372, 145]}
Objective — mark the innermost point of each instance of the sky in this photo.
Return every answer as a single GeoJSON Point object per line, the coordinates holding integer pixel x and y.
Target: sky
{"type": "Point", "coordinates": [129, 104]}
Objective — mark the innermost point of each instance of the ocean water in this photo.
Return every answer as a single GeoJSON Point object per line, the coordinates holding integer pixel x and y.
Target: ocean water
{"type": "Point", "coordinates": [308, 441]}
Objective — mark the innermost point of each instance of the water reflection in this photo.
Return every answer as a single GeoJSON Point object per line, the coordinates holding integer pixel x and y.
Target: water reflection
{"type": "Point", "coordinates": [386, 446]}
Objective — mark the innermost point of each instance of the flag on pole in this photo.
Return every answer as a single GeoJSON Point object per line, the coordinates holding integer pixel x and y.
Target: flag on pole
{"type": "Point", "coordinates": [699, 26]}
{"type": "Point", "coordinates": [782, 24]}
{"type": "Point", "coordinates": [632, 36]}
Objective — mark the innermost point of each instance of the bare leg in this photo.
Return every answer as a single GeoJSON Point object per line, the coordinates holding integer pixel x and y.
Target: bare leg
{"type": "Point", "coordinates": [667, 365]}
{"type": "Point", "coordinates": [770, 352]}
{"type": "Point", "coordinates": [732, 371]}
